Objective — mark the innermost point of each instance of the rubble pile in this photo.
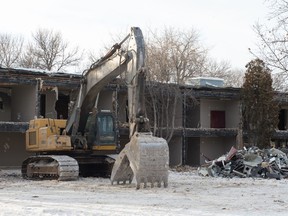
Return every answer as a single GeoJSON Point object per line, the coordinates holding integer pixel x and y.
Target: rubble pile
{"type": "Point", "coordinates": [252, 162]}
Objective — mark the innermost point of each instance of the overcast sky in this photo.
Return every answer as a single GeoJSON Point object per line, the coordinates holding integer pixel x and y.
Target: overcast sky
{"type": "Point", "coordinates": [225, 26]}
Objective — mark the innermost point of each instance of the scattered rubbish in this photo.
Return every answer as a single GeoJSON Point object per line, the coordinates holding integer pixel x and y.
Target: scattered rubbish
{"type": "Point", "coordinates": [251, 162]}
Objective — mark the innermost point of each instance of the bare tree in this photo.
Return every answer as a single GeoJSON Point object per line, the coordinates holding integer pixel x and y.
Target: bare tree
{"type": "Point", "coordinates": [49, 51]}
{"type": "Point", "coordinates": [28, 60]}
{"type": "Point", "coordinates": [10, 49]}
{"type": "Point", "coordinates": [175, 56]}
{"type": "Point", "coordinates": [273, 42]}
{"type": "Point", "coordinates": [273, 46]}
{"type": "Point", "coordinates": [232, 77]}
{"type": "Point", "coordinates": [279, 10]}
{"type": "Point", "coordinates": [172, 57]}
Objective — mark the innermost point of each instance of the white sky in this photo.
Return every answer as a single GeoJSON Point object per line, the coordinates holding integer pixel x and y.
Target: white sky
{"type": "Point", "coordinates": [225, 26]}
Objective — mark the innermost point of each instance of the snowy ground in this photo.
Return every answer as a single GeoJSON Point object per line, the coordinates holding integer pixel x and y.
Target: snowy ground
{"type": "Point", "coordinates": [187, 194]}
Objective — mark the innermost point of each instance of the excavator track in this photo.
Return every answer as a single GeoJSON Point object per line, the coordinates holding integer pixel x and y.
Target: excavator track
{"type": "Point", "coordinates": [57, 167]}
{"type": "Point", "coordinates": [146, 158]}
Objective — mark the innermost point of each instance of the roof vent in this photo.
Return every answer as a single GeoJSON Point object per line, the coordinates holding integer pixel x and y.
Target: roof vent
{"type": "Point", "coordinates": [206, 82]}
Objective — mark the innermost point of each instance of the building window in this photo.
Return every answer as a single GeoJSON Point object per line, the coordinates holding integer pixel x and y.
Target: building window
{"type": "Point", "coordinates": [1, 104]}
{"type": "Point", "coordinates": [217, 119]}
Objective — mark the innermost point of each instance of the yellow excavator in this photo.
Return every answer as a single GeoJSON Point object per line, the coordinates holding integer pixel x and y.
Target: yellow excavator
{"type": "Point", "coordinates": [86, 143]}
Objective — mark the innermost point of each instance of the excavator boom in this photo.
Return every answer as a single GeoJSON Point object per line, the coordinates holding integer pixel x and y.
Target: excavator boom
{"type": "Point", "coordinates": [75, 143]}
{"type": "Point", "coordinates": [145, 157]}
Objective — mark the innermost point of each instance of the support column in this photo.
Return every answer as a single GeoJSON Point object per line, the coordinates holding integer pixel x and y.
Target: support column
{"type": "Point", "coordinates": [39, 83]}
{"type": "Point", "coordinates": [184, 147]}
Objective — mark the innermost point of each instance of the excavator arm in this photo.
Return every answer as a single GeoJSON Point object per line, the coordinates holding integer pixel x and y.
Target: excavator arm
{"type": "Point", "coordinates": [94, 80]}
{"type": "Point", "coordinates": [145, 157]}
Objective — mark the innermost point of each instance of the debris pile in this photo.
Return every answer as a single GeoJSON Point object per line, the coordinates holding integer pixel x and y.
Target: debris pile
{"type": "Point", "coordinates": [252, 162]}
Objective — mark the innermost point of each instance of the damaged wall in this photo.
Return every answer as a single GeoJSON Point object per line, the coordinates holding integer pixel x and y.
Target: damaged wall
{"type": "Point", "coordinates": [206, 106]}
{"type": "Point", "coordinates": [175, 151]}
{"type": "Point", "coordinates": [214, 147]}
{"type": "Point", "coordinates": [20, 101]}
{"type": "Point", "coordinates": [193, 116]}
{"type": "Point", "coordinates": [230, 107]}
{"type": "Point", "coordinates": [179, 115]}
{"type": "Point", "coordinates": [50, 102]}
{"type": "Point", "coordinates": [192, 151]}
{"type": "Point", "coordinates": [5, 106]}
{"type": "Point", "coordinates": [23, 103]}
{"type": "Point", "coordinates": [233, 113]}
{"type": "Point", "coordinates": [211, 142]}
{"type": "Point", "coordinates": [12, 149]}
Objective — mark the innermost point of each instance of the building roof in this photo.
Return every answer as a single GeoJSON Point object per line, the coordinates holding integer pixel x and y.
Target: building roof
{"type": "Point", "coordinates": [22, 76]}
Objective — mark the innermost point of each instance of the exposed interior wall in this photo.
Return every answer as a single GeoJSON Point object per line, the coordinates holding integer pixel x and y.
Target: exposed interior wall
{"type": "Point", "coordinates": [193, 151]}
{"type": "Point", "coordinates": [193, 116]}
{"type": "Point", "coordinates": [231, 108]}
{"type": "Point", "coordinates": [5, 106]}
{"type": "Point", "coordinates": [229, 142]}
{"type": "Point", "coordinates": [23, 103]}
{"type": "Point", "coordinates": [12, 149]}
{"type": "Point", "coordinates": [205, 108]}
{"type": "Point", "coordinates": [179, 114]}
{"type": "Point", "coordinates": [214, 147]}
{"type": "Point", "coordinates": [51, 98]}
{"type": "Point", "coordinates": [233, 113]}
{"type": "Point", "coordinates": [54, 104]}
{"type": "Point", "coordinates": [175, 151]}
{"type": "Point", "coordinates": [62, 105]}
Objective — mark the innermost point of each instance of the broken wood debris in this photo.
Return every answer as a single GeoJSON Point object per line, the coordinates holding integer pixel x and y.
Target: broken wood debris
{"type": "Point", "coordinates": [251, 162]}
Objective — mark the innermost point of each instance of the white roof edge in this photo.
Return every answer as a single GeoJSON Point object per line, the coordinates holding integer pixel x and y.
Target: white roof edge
{"type": "Point", "coordinates": [210, 78]}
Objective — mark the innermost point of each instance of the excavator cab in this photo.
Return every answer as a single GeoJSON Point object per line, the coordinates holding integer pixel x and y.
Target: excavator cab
{"type": "Point", "coordinates": [100, 131]}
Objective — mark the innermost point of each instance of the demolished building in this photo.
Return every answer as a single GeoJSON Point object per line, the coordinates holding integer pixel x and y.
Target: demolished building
{"type": "Point", "coordinates": [24, 95]}
{"type": "Point", "coordinates": [211, 127]}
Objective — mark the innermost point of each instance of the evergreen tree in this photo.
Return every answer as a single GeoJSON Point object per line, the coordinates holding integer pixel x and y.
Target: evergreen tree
{"type": "Point", "coordinates": [260, 111]}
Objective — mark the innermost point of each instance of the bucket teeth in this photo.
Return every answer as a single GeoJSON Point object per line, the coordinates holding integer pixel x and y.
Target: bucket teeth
{"type": "Point", "coordinates": [145, 158]}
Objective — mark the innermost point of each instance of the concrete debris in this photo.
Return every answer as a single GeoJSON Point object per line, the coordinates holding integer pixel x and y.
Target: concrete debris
{"type": "Point", "coordinates": [251, 162]}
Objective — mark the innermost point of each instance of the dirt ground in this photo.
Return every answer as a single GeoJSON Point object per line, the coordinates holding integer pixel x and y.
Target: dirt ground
{"type": "Point", "coordinates": [187, 194]}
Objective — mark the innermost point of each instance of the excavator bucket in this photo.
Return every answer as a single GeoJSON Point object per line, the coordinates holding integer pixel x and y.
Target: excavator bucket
{"type": "Point", "coordinates": [146, 158]}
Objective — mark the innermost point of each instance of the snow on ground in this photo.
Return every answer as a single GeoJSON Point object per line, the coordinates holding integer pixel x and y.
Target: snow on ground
{"type": "Point", "coordinates": [187, 194]}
